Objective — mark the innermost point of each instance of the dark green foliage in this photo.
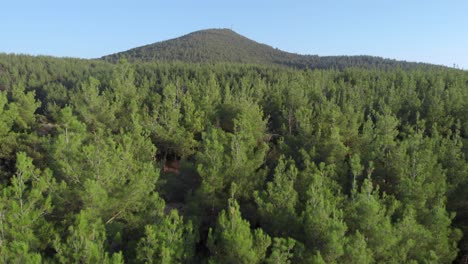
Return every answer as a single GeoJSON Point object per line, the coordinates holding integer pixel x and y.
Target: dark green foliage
{"type": "Point", "coordinates": [136, 162]}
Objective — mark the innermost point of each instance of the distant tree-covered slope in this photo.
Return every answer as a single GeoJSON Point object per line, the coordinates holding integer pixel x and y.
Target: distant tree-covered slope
{"type": "Point", "coordinates": [225, 45]}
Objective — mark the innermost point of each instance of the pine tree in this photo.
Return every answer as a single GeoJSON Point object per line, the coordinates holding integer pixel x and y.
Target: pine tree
{"type": "Point", "coordinates": [323, 225]}
{"type": "Point", "coordinates": [212, 169]}
{"type": "Point", "coordinates": [169, 240]}
{"type": "Point", "coordinates": [85, 242]}
{"type": "Point", "coordinates": [167, 127]}
{"type": "Point", "coordinates": [8, 138]}
{"type": "Point", "coordinates": [247, 149]}
{"type": "Point", "coordinates": [277, 204]}
{"type": "Point", "coordinates": [232, 240]}
{"type": "Point", "coordinates": [94, 109]}
{"type": "Point", "coordinates": [368, 217]}
{"type": "Point", "coordinates": [24, 231]}
{"type": "Point", "coordinates": [357, 251]}
{"type": "Point", "coordinates": [281, 251]}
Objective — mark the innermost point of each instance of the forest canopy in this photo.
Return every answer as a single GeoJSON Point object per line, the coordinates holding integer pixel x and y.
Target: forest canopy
{"type": "Point", "coordinates": [170, 162]}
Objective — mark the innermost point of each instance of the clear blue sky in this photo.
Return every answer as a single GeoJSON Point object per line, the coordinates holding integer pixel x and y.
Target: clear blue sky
{"type": "Point", "coordinates": [414, 30]}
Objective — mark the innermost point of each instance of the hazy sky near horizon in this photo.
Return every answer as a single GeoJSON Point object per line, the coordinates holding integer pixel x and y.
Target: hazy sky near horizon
{"type": "Point", "coordinates": [414, 30]}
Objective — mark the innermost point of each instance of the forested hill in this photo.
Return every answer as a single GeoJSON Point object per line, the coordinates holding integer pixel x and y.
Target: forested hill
{"type": "Point", "coordinates": [225, 45]}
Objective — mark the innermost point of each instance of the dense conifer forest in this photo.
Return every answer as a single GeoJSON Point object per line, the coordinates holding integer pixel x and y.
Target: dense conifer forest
{"type": "Point", "coordinates": [171, 162]}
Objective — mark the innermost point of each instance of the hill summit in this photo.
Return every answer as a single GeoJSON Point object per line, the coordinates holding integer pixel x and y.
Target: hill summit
{"type": "Point", "coordinates": [225, 45]}
{"type": "Point", "coordinates": [211, 45]}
